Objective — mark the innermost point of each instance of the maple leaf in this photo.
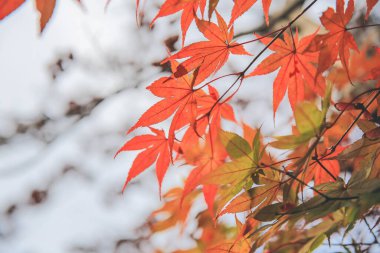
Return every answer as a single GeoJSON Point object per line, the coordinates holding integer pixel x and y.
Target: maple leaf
{"type": "Point", "coordinates": [209, 158]}
{"type": "Point", "coordinates": [211, 7]}
{"type": "Point", "coordinates": [215, 110]}
{"type": "Point", "coordinates": [370, 5]}
{"type": "Point", "coordinates": [45, 8]}
{"type": "Point", "coordinates": [238, 174]}
{"type": "Point", "coordinates": [209, 117]}
{"type": "Point", "coordinates": [365, 151]}
{"type": "Point", "coordinates": [156, 150]}
{"type": "Point", "coordinates": [241, 6]}
{"type": "Point", "coordinates": [339, 40]}
{"type": "Point", "coordinates": [207, 57]}
{"type": "Point", "coordinates": [309, 121]}
{"type": "Point", "coordinates": [179, 98]}
{"type": "Point", "coordinates": [296, 65]}
{"type": "Point", "coordinates": [245, 160]}
{"type": "Point", "coordinates": [218, 110]}
{"type": "Point", "coordinates": [8, 6]}
{"type": "Point", "coordinates": [172, 211]}
{"type": "Point", "coordinates": [363, 66]}
{"type": "Point", "coordinates": [189, 8]}
{"type": "Point", "coordinates": [322, 171]}
{"type": "Point", "coordinates": [259, 196]}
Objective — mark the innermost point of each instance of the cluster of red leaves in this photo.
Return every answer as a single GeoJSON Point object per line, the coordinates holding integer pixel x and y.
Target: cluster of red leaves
{"type": "Point", "coordinates": [232, 172]}
{"type": "Point", "coordinates": [301, 62]}
{"type": "Point", "coordinates": [191, 108]}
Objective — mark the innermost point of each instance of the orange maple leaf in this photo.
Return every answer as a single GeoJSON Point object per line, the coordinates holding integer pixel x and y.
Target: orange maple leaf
{"type": "Point", "coordinates": [8, 6]}
{"type": "Point", "coordinates": [370, 5]}
{"type": "Point", "coordinates": [179, 98]}
{"type": "Point", "coordinates": [210, 157]}
{"type": "Point", "coordinates": [188, 8]}
{"type": "Point", "coordinates": [170, 214]}
{"type": "Point", "coordinates": [209, 117]}
{"type": "Point", "coordinates": [321, 172]}
{"type": "Point", "coordinates": [364, 66]}
{"type": "Point", "coordinates": [339, 40]}
{"type": "Point", "coordinates": [297, 67]}
{"type": "Point", "coordinates": [45, 8]}
{"type": "Point", "coordinates": [241, 6]}
{"type": "Point", "coordinates": [215, 110]}
{"type": "Point", "coordinates": [211, 104]}
{"type": "Point", "coordinates": [156, 150]}
{"type": "Point", "coordinates": [207, 57]}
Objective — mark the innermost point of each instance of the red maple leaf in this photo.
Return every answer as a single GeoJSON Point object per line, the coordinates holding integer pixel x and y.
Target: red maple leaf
{"type": "Point", "coordinates": [170, 214]}
{"type": "Point", "coordinates": [211, 111]}
{"type": "Point", "coordinates": [156, 150]}
{"type": "Point", "coordinates": [297, 67]}
{"type": "Point", "coordinates": [339, 40]}
{"type": "Point", "coordinates": [215, 110]}
{"type": "Point", "coordinates": [241, 6]}
{"type": "Point", "coordinates": [207, 159]}
{"type": "Point", "coordinates": [370, 5]}
{"type": "Point", "coordinates": [207, 57]}
{"type": "Point", "coordinates": [8, 6]}
{"type": "Point", "coordinates": [321, 172]}
{"type": "Point", "coordinates": [363, 67]}
{"type": "Point", "coordinates": [188, 8]}
{"type": "Point", "coordinates": [179, 97]}
{"type": "Point", "coordinates": [46, 9]}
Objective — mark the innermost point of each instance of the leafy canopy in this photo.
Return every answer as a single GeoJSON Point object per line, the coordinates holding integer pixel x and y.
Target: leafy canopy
{"type": "Point", "coordinates": [323, 184]}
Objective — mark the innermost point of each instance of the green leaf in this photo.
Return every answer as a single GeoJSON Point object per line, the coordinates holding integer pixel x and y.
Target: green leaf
{"type": "Point", "coordinates": [326, 100]}
{"type": "Point", "coordinates": [228, 193]}
{"type": "Point", "coordinates": [317, 242]}
{"type": "Point", "coordinates": [291, 141]}
{"type": "Point", "coordinates": [235, 145]}
{"type": "Point", "coordinates": [361, 147]}
{"type": "Point", "coordinates": [256, 147]}
{"type": "Point", "coordinates": [308, 118]}
{"type": "Point", "coordinates": [231, 172]}
{"type": "Point", "coordinates": [289, 194]}
{"type": "Point", "coordinates": [269, 212]}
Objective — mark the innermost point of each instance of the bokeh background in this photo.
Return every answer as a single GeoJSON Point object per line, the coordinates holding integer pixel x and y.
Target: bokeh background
{"type": "Point", "coordinates": [67, 97]}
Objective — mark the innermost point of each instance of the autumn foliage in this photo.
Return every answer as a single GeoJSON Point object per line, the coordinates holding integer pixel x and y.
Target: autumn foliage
{"type": "Point", "coordinates": [325, 183]}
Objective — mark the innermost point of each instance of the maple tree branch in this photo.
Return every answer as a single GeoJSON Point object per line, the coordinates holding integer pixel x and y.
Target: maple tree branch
{"type": "Point", "coordinates": [258, 38]}
{"type": "Point", "coordinates": [332, 149]}
{"type": "Point", "coordinates": [292, 36]}
{"type": "Point", "coordinates": [214, 80]}
{"type": "Point", "coordinates": [325, 169]}
{"type": "Point", "coordinates": [352, 244]}
{"type": "Point", "coordinates": [362, 26]}
{"type": "Point", "coordinates": [276, 249]}
{"type": "Point", "coordinates": [327, 198]}
{"type": "Point", "coordinates": [274, 20]}
{"type": "Point", "coordinates": [351, 102]}
{"type": "Point", "coordinates": [282, 30]}
{"type": "Point", "coordinates": [370, 230]}
{"type": "Point", "coordinates": [315, 158]}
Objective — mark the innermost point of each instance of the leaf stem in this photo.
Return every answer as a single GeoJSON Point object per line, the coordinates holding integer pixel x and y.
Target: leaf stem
{"type": "Point", "coordinates": [332, 149]}
{"type": "Point", "coordinates": [362, 26]}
